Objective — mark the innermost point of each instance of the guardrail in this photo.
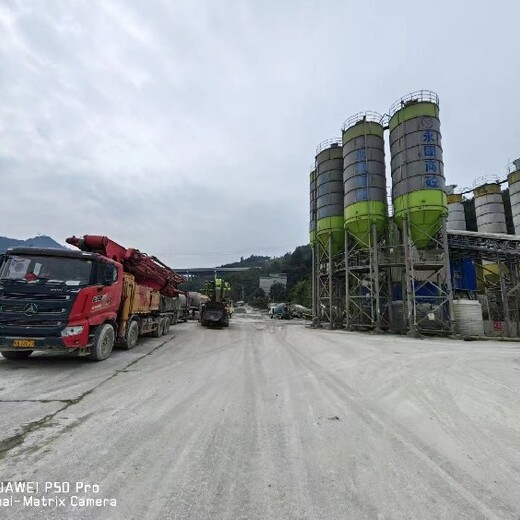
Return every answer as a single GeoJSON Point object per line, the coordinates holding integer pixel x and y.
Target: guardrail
{"type": "Point", "coordinates": [368, 116]}
{"type": "Point", "coordinates": [414, 97]}
{"type": "Point", "coordinates": [333, 141]}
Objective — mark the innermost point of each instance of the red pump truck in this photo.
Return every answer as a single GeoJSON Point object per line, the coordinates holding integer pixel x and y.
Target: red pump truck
{"type": "Point", "coordinates": [87, 301]}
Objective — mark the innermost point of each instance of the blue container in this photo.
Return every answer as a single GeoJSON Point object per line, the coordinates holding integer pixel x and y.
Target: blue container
{"type": "Point", "coordinates": [463, 275]}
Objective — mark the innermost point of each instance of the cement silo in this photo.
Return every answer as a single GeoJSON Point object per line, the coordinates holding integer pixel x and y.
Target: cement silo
{"type": "Point", "coordinates": [329, 194]}
{"type": "Point", "coordinates": [489, 208]}
{"type": "Point", "coordinates": [328, 248]}
{"type": "Point", "coordinates": [418, 184]}
{"type": "Point", "coordinates": [364, 176]}
{"type": "Point", "coordinates": [456, 220]}
{"type": "Point", "coordinates": [513, 181]}
{"type": "Point", "coordinates": [491, 218]}
{"type": "Point", "coordinates": [312, 198]}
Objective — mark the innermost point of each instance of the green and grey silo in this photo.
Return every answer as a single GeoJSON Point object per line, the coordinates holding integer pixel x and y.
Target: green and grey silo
{"type": "Point", "coordinates": [491, 218]}
{"type": "Point", "coordinates": [513, 181]}
{"type": "Point", "coordinates": [329, 194]}
{"type": "Point", "coordinates": [418, 183]}
{"type": "Point", "coordinates": [489, 208]}
{"type": "Point", "coordinates": [456, 220]}
{"type": "Point", "coordinates": [365, 203]}
{"type": "Point", "coordinates": [312, 198]}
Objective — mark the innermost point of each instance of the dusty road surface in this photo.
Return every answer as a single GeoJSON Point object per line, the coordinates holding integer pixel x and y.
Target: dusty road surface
{"type": "Point", "coordinates": [265, 420]}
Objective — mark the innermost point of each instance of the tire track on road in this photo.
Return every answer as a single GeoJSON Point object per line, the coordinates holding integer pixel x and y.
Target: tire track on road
{"type": "Point", "coordinates": [377, 420]}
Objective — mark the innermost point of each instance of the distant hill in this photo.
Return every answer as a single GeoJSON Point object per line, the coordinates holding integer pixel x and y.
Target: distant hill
{"type": "Point", "coordinates": [39, 241]}
{"type": "Point", "coordinates": [252, 261]}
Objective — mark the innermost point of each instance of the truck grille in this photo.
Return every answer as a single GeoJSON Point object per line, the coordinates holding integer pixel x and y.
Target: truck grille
{"type": "Point", "coordinates": [35, 297]}
{"type": "Point", "coordinates": [34, 311]}
{"type": "Point", "coordinates": [33, 324]}
{"type": "Point", "coordinates": [20, 309]}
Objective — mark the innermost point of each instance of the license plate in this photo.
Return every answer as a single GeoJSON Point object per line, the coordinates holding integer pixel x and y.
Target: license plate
{"type": "Point", "coordinates": [23, 343]}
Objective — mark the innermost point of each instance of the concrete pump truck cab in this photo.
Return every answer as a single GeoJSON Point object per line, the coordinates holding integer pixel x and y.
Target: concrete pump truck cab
{"type": "Point", "coordinates": [85, 301]}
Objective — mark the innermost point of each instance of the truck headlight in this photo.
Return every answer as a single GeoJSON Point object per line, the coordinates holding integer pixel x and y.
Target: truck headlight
{"type": "Point", "coordinates": [72, 331]}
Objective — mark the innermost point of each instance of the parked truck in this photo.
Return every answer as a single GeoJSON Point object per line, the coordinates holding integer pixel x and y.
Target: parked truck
{"type": "Point", "coordinates": [216, 310]}
{"type": "Point", "coordinates": [86, 301]}
{"type": "Point", "coordinates": [196, 301]}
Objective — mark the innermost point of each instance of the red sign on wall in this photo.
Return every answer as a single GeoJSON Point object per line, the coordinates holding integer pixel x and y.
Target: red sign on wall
{"type": "Point", "coordinates": [498, 326]}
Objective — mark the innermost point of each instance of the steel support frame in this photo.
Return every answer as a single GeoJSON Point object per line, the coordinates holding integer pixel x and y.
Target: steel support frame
{"type": "Point", "coordinates": [427, 313]}
{"type": "Point", "coordinates": [501, 290]}
{"type": "Point", "coordinates": [366, 283]}
{"type": "Point", "coordinates": [328, 292]}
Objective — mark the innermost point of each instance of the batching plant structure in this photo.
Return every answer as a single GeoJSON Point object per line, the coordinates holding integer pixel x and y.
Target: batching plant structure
{"type": "Point", "coordinates": [382, 264]}
{"type": "Point", "coordinates": [329, 235]}
{"type": "Point", "coordinates": [420, 211]}
{"type": "Point", "coordinates": [366, 218]}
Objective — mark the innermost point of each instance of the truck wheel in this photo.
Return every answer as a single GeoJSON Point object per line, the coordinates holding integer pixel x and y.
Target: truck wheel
{"type": "Point", "coordinates": [22, 354]}
{"type": "Point", "coordinates": [103, 343]}
{"type": "Point", "coordinates": [158, 332]}
{"type": "Point", "coordinates": [166, 326]}
{"type": "Point", "coordinates": [175, 319]}
{"type": "Point", "coordinates": [132, 335]}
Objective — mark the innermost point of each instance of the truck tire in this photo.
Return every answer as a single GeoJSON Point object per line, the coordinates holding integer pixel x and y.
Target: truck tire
{"type": "Point", "coordinates": [19, 354]}
{"type": "Point", "coordinates": [103, 343]}
{"type": "Point", "coordinates": [157, 333]}
{"type": "Point", "coordinates": [132, 335]}
{"type": "Point", "coordinates": [166, 326]}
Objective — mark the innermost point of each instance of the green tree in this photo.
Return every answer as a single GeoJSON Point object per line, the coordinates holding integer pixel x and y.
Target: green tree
{"type": "Point", "coordinates": [302, 293]}
{"type": "Point", "coordinates": [259, 299]}
{"type": "Point", "coordinates": [277, 292]}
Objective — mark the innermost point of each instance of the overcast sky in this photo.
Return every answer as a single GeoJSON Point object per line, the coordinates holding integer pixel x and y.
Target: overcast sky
{"type": "Point", "coordinates": [187, 128]}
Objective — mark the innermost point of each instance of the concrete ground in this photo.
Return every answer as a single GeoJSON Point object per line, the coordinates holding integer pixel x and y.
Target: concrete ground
{"type": "Point", "coordinates": [266, 420]}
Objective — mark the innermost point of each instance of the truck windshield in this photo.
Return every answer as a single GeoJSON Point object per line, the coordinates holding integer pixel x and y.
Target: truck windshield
{"type": "Point", "coordinates": [46, 269]}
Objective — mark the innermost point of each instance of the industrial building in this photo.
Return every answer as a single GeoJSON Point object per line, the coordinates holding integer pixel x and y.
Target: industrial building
{"type": "Point", "coordinates": [402, 259]}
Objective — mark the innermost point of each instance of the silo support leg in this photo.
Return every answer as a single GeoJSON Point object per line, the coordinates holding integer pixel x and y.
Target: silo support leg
{"type": "Point", "coordinates": [412, 330]}
{"type": "Point", "coordinates": [375, 273]}
{"type": "Point", "coordinates": [447, 267]}
{"type": "Point", "coordinates": [347, 297]}
{"type": "Point", "coordinates": [331, 307]}
{"type": "Point", "coordinates": [316, 320]}
{"type": "Point", "coordinates": [505, 299]}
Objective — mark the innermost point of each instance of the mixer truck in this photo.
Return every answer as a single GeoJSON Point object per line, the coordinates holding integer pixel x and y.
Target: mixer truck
{"type": "Point", "coordinates": [86, 300]}
{"type": "Point", "coordinates": [196, 301]}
